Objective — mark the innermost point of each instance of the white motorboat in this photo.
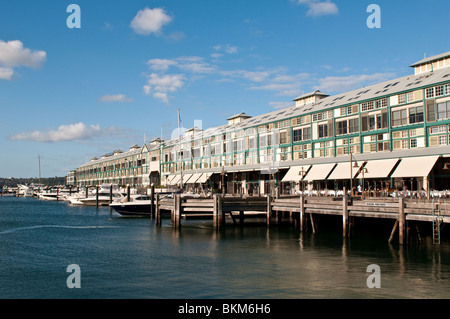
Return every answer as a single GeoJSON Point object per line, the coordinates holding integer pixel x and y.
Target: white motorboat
{"type": "Point", "coordinates": [103, 198]}
{"type": "Point", "coordinates": [137, 206]}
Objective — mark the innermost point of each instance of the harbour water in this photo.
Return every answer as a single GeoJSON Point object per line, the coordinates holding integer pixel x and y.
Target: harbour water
{"type": "Point", "coordinates": [128, 258]}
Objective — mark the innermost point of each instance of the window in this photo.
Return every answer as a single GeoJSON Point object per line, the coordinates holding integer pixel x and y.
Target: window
{"type": "Point", "coordinates": [447, 89]}
{"type": "Point", "coordinates": [402, 98]}
{"type": "Point", "coordinates": [238, 145]}
{"type": "Point", "coordinates": [263, 141]}
{"type": "Point", "coordinates": [302, 134]}
{"type": "Point", "coordinates": [443, 110]}
{"type": "Point", "coordinates": [323, 130]}
{"type": "Point", "coordinates": [251, 142]}
{"type": "Point", "coordinates": [438, 129]}
{"type": "Point", "coordinates": [431, 111]}
{"type": "Point", "coordinates": [366, 106]}
{"type": "Point", "coordinates": [399, 117]}
{"type": "Point", "coordinates": [413, 143]}
{"type": "Point", "coordinates": [373, 122]}
{"type": "Point", "coordinates": [439, 90]}
{"type": "Point", "coordinates": [341, 128]}
{"type": "Point", "coordinates": [415, 115]}
{"type": "Point", "coordinates": [353, 125]}
{"type": "Point", "coordinates": [284, 138]}
{"type": "Point", "coordinates": [322, 116]}
{"type": "Point", "coordinates": [429, 93]}
{"type": "Point", "coordinates": [410, 97]}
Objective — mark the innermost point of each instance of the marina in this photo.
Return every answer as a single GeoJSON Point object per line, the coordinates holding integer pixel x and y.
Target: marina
{"type": "Point", "coordinates": [128, 258]}
{"type": "Point", "coordinates": [192, 151]}
{"type": "Point", "coordinates": [403, 210]}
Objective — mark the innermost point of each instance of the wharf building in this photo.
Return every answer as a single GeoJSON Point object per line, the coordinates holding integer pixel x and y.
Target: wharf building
{"type": "Point", "coordinates": [390, 135]}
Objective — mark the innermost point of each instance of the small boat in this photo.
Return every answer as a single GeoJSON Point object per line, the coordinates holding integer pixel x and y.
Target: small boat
{"type": "Point", "coordinates": [48, 194]}
{"type": "Point", "coordinates": [104, 198]}
{"type": "Point", "coordinates": [139, 205]}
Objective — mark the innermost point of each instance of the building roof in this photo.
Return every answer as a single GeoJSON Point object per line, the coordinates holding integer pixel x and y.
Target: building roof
{"type": "Point", "coordinates": [239, 115]}
{"type": "Point", "coordinates": [432, 58]}
{"type": "Point", "coordinates": [369, 93]}
{"type": "Point", "coordinates": [315, 93]}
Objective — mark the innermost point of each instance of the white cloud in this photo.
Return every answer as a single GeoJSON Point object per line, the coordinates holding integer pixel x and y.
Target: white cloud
{"type": "Point", "coordinates": [228, 48]}
{"type": "Point", "coordinates": [6, 73]}
{"type": "Point", "coordinates": [71, 132]}
{"type": "Point", "coordinates": [192, 64]}
{"type": "Point", "coordinates": [148, 21]}
{"type": "Point", "coordinates": [160, 85]}
{"type": "Point", "coordinates": [319, 8]}
{"type": "Point", "coordinates": [122, 98]}
{"type": "Point", "coordinates": [13, 54]}
{"type": "Point", "coordinates": [161, 64]}
{"type": "Point", "coordinates": [351, 82]}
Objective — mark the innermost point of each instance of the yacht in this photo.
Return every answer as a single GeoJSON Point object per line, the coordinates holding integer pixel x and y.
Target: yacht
{"type": "Point", "coordinates": [105, 197]}
{"type": "Point", "coordinates": [139, 205]}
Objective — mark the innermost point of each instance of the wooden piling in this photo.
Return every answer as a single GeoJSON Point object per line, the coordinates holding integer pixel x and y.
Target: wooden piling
{"type": "Point", "coordinates": [220, 213]}
{"type": "Point", "coordinates": [302, 216]}
{"type": "Point", "coordinates": [394, 229]}
{"type": "Point", "coordinates": [152, 201]}
{"type": "Point", "coordinates": [128, 193]}
{"type": "Point", "coordinates": [345, 218]}
{"type": "Point", "coordinates": [401, 221]}
{"type": "Point", "coordinates": [110, 193]}
{"type": "Point", "coordinates": [269, 209]}
{"type": "Point", "coordinates": [96, 196]}
{"type": "Point", "coordinates": [157, 211]}
{"type": "Point", "coordinates": [176, 211]}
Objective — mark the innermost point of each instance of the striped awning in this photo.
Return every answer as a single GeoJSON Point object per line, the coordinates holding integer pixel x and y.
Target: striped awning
{"type": "Point", "coordinates": [379, 168]}
{"type": "Point", "coordinates": [294, 174]}
{"type": "Point", "coordinates": [343, 171]}
{"type": "Point", "coordinates": [415, 166]}
{"type": "Point", "coordinates": [319, 172]}
{"type": "Point", "coordinates": [203, 178]}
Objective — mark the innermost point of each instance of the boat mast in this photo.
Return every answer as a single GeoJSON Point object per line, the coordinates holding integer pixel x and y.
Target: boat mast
{"type": "Point", "coordinates": [39, 160]}
{"type": "Point", "coordinates": [179, 145]}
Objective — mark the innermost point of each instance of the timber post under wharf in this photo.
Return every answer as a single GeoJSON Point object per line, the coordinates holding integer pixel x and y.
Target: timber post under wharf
{"type": "Point", "coordinates": [301, 210]}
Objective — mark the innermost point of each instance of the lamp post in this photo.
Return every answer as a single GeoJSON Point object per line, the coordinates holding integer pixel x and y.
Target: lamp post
{"type": "Point", "coordinates": [302, 179]}
{"type": "Point", "coordinates": [363, 171]}
{"type": "Point", "coordinates": [351, 171]}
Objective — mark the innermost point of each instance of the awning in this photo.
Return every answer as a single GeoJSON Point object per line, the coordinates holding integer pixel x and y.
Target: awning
{"type": "Point", "coordinates": [319, 172]}
{"type": "Point", "coordinates": [175, 180]}
{"type": "Point", "coordinates": [193, 179]}
{"type": "Point", "coordinates": [204, 178]}
{"type": "Point", "coordinates": [342, 171]}
{"type": "Point", "coordinates": [186, 178]}
{"type": "Point", "coordinates": [379, 168]}
{"type": "Point", "coordinates": [169, 179]}
{"type": "Point", "coordinates": [295, 173]}
{"type": "Point", "coordinates": [415, 166]}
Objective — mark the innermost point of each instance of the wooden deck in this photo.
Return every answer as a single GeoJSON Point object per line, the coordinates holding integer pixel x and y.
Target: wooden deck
{"type": "Point", "coordinates": [218, 208]}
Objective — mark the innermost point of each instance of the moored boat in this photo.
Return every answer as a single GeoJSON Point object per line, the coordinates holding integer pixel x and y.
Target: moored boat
{"type": "Point", "coordinates": [139, 205]}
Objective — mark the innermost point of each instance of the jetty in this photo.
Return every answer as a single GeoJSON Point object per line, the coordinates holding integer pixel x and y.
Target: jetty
{"type": "Point", "coordinates": [300, 210]}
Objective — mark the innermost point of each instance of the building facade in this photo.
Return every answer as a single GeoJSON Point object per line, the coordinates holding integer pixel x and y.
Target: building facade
{"type": "Point", "coordinates": [395, 133]}
{"type": "Point", "coordinates": [139, 166]}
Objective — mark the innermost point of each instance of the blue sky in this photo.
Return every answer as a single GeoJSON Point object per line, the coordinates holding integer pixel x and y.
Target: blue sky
{"type": "Point", "coordinates": [70, 94]}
